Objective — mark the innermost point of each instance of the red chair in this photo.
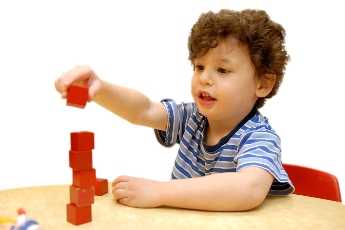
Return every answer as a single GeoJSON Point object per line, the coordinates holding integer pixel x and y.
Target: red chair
{"type": "Point", "coordinates": [313, 182]}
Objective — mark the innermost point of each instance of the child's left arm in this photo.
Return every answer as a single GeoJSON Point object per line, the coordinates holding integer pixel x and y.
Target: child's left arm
{"type": "Point", "coordinates": [238, 191]}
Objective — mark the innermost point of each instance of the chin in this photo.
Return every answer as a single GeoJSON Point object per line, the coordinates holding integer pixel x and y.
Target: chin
{"type": "Point", "coordinates": [205, 113]}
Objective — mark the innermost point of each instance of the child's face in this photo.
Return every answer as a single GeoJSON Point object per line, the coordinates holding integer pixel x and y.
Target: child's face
{"type": "Point", "coordinates": [224, 85]}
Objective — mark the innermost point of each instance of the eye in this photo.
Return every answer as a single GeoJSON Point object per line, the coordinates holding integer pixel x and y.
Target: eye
{"type": "Point", "coordinates": [199, 67]}
{"type": "Point", "coordinates": [222, 71]}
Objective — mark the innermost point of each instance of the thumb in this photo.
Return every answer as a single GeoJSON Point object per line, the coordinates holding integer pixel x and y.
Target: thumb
{"type": "Point", "coordinates": [94, 87]}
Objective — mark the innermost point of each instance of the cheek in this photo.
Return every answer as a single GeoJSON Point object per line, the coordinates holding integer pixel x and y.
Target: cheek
{"type": "Point", "coordinates": [194, 78]}
{"type": "Point", "coordinates": [193, 85]}
{"type": "Point", "coordinates": [232, 92]}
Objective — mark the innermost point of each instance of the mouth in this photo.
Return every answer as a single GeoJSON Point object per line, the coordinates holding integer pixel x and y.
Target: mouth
{"type": "Point", "coordinates": [206, 100]}
{"type": "Point", "coordinates": [205, 96]}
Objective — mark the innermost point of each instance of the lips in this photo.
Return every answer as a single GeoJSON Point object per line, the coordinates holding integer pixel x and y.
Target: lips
{"type": "Point", "coordinates": [206, 100]}
{"type": "Point", "coordinates": [205, 96]}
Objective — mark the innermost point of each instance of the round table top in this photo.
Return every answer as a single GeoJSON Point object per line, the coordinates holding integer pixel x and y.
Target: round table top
{"type": "Point", "coordinates": [47, 205]}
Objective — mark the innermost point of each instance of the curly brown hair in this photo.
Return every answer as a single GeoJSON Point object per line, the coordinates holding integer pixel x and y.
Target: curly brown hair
{"type": "Point", "coordinates": [264, 38]}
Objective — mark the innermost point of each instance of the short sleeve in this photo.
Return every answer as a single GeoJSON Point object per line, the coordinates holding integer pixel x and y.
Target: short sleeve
{"type": "Point", "coordinates": [262, 149]}
{"type": "Point", "coordinates": [170, 136]}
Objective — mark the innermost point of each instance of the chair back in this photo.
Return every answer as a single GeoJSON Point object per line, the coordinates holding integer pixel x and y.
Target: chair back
{"type": "Point", "coordinates": [313, 182]}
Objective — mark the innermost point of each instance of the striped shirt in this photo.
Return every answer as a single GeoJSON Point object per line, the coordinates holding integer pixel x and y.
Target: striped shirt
{"type": "Point", "coordinates": [253, 143]}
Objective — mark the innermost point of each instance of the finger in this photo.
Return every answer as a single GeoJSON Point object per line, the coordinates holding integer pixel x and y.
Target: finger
{"type": "Point", "coordinates": [120, 179]}
{"type": "Point", "coordinates": [58, 85]}
{"type": "Point", "coordinates": [121, 185]}
{"type": "Point", "coordinates": [119, 193]}
{"type": "Point", "coordinates": [78, 75]}
{"type": "Point", "coordinates": [124, 201]}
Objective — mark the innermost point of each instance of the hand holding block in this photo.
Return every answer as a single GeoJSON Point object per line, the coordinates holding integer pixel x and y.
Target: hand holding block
{"type": "Point", "coordinates": [77, 96]}
{"type": "Point", "coordinates": [82, 141]}
{"type": "Point", "coordinates": [101, 187]}
{"type": "Point", "coordinates": [78, 215]}
{"type": "Point", "coordinates": [80, 160]}
{"type": "Point", "coordinates": [81, 197]}
{"type": "Point", "coordinates": [84, 178]}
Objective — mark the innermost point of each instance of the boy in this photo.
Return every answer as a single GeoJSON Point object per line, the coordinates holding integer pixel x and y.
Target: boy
{"type": "Point", "coordinates": [229, 156]}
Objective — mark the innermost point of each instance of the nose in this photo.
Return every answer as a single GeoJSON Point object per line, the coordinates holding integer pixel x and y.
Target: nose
{"type": "Point", "coordinates": [206, 78]}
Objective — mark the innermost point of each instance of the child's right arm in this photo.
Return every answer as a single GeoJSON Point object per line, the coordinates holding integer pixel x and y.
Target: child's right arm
{"type": "Point", "coordinates": [127, 103]}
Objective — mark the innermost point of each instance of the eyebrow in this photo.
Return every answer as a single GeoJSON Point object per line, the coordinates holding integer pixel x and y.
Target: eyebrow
{"type": "Point", "coordinates": [225, 60]}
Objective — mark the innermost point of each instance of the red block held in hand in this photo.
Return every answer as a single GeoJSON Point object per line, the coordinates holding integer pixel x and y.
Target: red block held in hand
{"type": "Point", "coordinates": [77, 96]}
{"type": "Point", "coordinates": [101, 187]}
{"type": "Point", "coordinates": [84, 178]}
{"type": "Point", "coordinates": [81, 197]}
{"type": "Point", "coordinates": [82, 141]}
{"type": "Point", "coordinates": [78, 215]}
{"type": "Point", "coordinates": [80, 160]}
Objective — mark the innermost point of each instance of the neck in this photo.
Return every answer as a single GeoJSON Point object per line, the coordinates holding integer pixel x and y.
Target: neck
{"type": "Point", "coordinates": [217, 129]}
{"type": "Point", "coordinates": [220, 128]}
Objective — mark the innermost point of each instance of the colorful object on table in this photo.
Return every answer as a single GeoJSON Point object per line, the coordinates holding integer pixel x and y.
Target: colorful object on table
{"type": "Point", "coordinates": [7, 220]}
{"type": "Point", "coordinates": [23, 222]}
{"type": "Point", "coordinates": [77, 96]}
{"type": "Point", "coordinates": [101, 187]}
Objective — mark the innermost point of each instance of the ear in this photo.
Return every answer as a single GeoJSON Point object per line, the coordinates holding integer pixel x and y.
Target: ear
{"type": "Point", "coordinates": [264, 84]}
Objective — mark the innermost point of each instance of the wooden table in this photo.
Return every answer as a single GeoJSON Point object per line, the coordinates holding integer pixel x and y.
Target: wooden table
{"type": "Point", "coordinates": [47, 205]}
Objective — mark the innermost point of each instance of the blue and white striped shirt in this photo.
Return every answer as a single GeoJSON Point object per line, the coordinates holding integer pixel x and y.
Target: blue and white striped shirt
{"type": "Point", "coordinates": [252, 143]}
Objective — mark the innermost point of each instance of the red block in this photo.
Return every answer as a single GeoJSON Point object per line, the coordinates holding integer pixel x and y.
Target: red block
{"type": "Point", "coordinates": [77, 96]}
{"type": "Point", "coordinates": [101, 187]}
{"type": "Point", "coordinates": [84, 178]}
{"type": "Point", "coordinates": [81, 197]}
{"type": "Point", "coordinates": [82, 141]}
{"type": "Point", "coordinates": [80, 160]}
{"type": "Point", "coordinates": [78, 215]}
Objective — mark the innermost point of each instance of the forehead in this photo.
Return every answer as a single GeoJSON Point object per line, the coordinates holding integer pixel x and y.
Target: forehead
{"type": "Point", "coordinates": [229, 50]}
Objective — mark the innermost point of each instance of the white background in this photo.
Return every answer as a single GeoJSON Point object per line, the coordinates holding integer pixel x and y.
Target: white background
{"type": "Point", "coordinates": [143, 45]}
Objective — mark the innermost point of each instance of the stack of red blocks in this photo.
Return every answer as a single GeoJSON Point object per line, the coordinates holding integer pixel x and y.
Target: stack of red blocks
{"type": "Point", "coordinates": [85, 184]}
{"type": "Point", "coordinates": [82, 190]}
